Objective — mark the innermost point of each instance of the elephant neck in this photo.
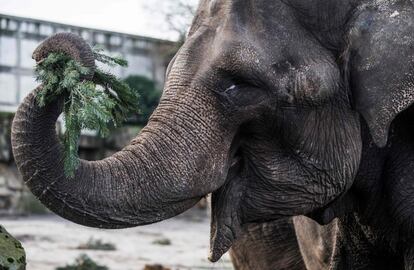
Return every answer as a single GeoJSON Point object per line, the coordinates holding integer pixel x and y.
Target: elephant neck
{"type": "Point", "coordinates": [359, 246]}
{"type": "Point", "coordinates": [384, 193]}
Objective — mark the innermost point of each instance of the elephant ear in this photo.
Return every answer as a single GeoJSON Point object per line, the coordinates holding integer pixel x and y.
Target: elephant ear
{"type": "Point", "coordinates": [226, 223]}
{"type": "Point", "coordinates": [382, 64]}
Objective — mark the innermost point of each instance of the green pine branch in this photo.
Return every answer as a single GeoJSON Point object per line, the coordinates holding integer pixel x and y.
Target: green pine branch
{"type": "Point", "coordinates": [89, 104]}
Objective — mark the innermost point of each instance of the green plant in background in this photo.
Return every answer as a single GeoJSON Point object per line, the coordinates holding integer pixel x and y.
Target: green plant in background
{"type": "Point", "coordinates": [83, 262]}
{"type": "Point", "coordinates": [12, 255]}
{"type": "Point", "coordinates": [162, 242]}
{"type": "Point", "coordinates": [97, 244]}
{"type": "Point", "coordinates": [89, 103]}
{"type": "Point", "coordinates": [149, 96]}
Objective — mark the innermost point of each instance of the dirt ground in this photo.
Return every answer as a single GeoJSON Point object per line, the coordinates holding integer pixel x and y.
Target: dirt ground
{"type": "Point", "coordinates": [51, 241]}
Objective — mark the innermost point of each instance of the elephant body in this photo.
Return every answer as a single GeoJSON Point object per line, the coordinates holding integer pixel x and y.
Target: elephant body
{"type": "Point", "coordinates": [364, 233]}
{"type": "Point", "coordinates": [303, 244]}
{"type": "Point", "coordinates": [270, 245]}
{"type": "Point", "coordinates": [280, 109]}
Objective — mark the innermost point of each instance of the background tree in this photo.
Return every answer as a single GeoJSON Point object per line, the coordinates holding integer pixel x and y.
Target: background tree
{"type": "Point", "coordinates": [177, 16]}
{"type": "Point", "coordinates": [149, 96]}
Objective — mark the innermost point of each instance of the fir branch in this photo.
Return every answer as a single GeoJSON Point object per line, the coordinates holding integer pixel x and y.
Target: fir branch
{"type": "Point", "coordinates": [109, 60]}
{"type": "Point", "coordinates": [86, 106]}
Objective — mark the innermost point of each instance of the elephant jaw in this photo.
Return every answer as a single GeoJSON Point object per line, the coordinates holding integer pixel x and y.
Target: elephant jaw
{"type": "Point", "coordinates": [226, 223]}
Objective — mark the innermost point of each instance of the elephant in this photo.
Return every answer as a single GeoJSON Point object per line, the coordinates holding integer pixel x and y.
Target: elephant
{"type": "Point", "coordinates": [294, 114]}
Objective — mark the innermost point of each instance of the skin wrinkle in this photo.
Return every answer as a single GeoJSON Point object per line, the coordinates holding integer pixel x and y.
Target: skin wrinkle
{"type": "Point", "coordinates": [89, 194]}
{"type": "Point", "coordinates": [327, 135]}
{"type": "Point", "coordinates": [120, 186]}
{"type": "Point", "coordinates": [141, 185]}
{"type": "Point", "coordinates": [173, 164]}
{"type": "Point", "coordinates": [278, 239]}
{"type": "Point", "coordinates": [127, 163]}
{"type": "Point", "coordinates": [153, 173]}
{"type": "Point", "coordinates": [131, 206]}
{"type": "Point", "coordinates": [183, 142]}
{"type": "Point", "coordinates": [102, 173]}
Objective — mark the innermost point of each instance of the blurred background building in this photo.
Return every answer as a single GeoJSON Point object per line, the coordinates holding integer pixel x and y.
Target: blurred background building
{"type": "Point", "coordinates": [20, 36]}
{"type": "Point", "coordinates": [147, 58]}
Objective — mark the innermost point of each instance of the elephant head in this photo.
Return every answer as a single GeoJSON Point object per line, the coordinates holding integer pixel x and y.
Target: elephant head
{"type": "Point", "coordinates": [261, 108]}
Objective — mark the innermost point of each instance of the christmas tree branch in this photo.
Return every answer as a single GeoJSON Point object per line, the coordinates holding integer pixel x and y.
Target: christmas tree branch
{"type": "Point", "coordinates": [92, 104]}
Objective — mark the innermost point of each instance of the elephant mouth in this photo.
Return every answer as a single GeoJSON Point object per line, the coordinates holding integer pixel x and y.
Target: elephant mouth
{"type": "Point", "coordinates": [236, 155]}
{"type": "Point", "coordinates": [225, 205]}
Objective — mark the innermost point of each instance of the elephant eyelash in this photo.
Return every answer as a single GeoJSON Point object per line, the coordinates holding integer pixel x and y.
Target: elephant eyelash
{"type": "Point", "coordinates": [232, 80]}
{"type": "Point", "coordinates": [243, 82]}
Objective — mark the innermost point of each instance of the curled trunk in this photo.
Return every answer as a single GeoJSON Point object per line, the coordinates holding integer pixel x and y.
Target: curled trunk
{"type": "Point", "coordinates": [179, 157]}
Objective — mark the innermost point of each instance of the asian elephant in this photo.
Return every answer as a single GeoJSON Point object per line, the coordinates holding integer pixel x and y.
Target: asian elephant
{"type": "Point", "coordinates": [280, 109]}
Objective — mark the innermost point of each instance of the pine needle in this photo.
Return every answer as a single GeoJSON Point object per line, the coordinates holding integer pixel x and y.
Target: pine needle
{"type": "Point", "coordinates": [89, 104]}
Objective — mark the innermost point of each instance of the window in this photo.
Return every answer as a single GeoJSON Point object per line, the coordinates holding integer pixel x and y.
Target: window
{"type": "Point", "coordinates": [12, 25]}
{"type": "Point", "coordinates": [28, 46]}
{"type": "Point", "coordinates": [115, 40]}
{"type": "Point", "coordinates": [62, 29]}
{"type": "Point", "coordinates": [99, 38]}
{"type": "Point", "coordinates": [8, 88]}
{"type": "Point", "coordinates": [128, 43]}
{"type": "Point", "coordinates": [85, 35]}
{"type": "Point", "coordinates": [3, 24]}
{"type": "Point", "coordinates": [28, 27]}
{"type": "Point", "coordinates": [27, 85]}
{"type": "Point", "coordinates": [8, 54]}
{"type": "Point", "coordinates": [139, 65]}
{"type": "Point", "coordinates": [141, 44]}
{"type": "Point", "coordinates": [46, 30]}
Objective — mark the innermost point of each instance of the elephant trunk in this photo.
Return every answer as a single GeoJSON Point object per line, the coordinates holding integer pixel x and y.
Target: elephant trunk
{"type": "Point", "coordinates": [69, 44]}
{"type": "Point", "coordinates": [180, 156]}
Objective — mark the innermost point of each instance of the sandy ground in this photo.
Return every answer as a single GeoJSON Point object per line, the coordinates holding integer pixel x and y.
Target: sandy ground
{"type": "Point", "coordinates": [51, 241]}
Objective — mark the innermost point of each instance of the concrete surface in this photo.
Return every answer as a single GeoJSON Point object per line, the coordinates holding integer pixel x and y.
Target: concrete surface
{"type": "Point", "coordinates": [51, 241]}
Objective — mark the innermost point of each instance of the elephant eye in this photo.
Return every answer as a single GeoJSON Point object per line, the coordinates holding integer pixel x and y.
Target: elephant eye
{"type": "Point", "coordinates": [234, 86]}
{"type": "Point", "coordinates": [240, 92]}
{"type": "Point", "coordinates": [239, 83]}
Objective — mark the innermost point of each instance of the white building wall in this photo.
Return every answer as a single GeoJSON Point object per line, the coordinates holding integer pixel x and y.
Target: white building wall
{"type": "Point", "coordinates": [20, 36]}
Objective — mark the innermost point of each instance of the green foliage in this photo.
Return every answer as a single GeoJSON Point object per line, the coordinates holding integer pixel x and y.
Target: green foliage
{"type": "Point", "coordinates": [162, 242]}
{"type": "Point", "coordinates": [6, 115]}
{"type": "Point", "coordinates": [83, 262]}
{"type": "Point", "coordinates": [99, 55]}
{"type": "Point", "coordinates": [89, 104]}
{"type": "Point", "coordinates": [98, 244]}
{"type": "Point", "coordinates": [149, 96]}
{"type": "Point", "coordinates": [12, 255]}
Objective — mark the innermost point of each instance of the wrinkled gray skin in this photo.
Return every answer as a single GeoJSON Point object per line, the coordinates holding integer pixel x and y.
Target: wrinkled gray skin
{"type": "Point", "coordinates": [279, 108]}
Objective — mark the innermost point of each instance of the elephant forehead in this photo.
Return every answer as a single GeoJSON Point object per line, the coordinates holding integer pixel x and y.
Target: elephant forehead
{"type": "Point", "coordinates": [239, 13]}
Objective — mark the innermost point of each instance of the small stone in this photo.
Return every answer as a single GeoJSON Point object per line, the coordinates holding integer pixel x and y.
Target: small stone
{"type": "Point", "coordinates": [155, 267]}
{"type": "Point", "coordinates": [12, 255]}
{"type": "Point", "coordinates": [162, 242]}
{"type": "Point", "coordinates": [395, 14]}
{"type": "Point", "coordinates": [2, 181]}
